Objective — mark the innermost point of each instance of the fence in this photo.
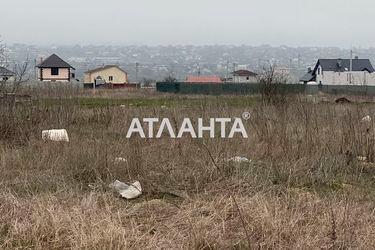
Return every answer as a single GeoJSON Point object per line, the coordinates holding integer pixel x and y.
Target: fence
{"type": "Point", "coordinates": [111, 86]}
{"type": "Point", "coordinates": [253, 89]}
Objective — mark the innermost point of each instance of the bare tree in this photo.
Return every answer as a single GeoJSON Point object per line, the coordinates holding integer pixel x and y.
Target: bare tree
{"type": "Point", "coordinates": [19, 70]}
{"type": "Point", "coordinates": [20, 75]}
{"type": "Point", "coordinates": [2, 53]}
{"type": "Point", "coordinates": [9, 88]}
{"type": "Point", "coordinates": [2, 64]}
{"type": "Point", "coordinates": [270, 80]}
{"type": "Point", "coordinates": [170, 79]}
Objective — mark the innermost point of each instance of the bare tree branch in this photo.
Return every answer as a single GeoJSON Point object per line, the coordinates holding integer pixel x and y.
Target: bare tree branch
{"type": "Point", "coordinates": [20, 75]}
{"type": "Point", "coordinates": [2, 53]}
{"type": "Point", "coordinates": [270, 78]}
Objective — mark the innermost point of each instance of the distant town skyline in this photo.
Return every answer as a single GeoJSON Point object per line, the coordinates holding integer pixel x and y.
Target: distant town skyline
{"type": "Point", "coordinates": [294, 23]}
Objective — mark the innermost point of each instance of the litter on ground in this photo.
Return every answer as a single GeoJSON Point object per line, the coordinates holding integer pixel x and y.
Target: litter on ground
{"type": "Point", "coordinates": [362, 158]}
{"type": "Point", "coordinates": [120, 160]}
{"type": "Point", "coordinates": [239, 159]}
{"type": "Point", "coordinates": [55, 135]}
{"type": "Point", "coordinates": [366, 118]}
{"type": "Point", "coordinates": [127, 191]}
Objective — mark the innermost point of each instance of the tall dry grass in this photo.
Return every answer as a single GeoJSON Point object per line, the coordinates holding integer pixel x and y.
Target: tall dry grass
{"type": "Point", "coordinates": [304, 188]}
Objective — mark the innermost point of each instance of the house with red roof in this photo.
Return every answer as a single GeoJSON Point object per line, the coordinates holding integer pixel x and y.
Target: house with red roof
{"type": "Point", "coordinates": [204, 79]}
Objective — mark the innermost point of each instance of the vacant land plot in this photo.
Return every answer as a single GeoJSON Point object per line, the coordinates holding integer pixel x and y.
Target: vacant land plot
{"type": "Point", "coordinates": [310, 182]}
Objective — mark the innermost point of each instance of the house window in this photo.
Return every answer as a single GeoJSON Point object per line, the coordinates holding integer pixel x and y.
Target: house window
{"type": "Point", "coordinates": [247, 78]}
{"type": "Point", "coordinates": [110, 78]}
{"type": "Point", "coordinates": [55, 71]}
{"type": "Point", "coordinates": [318, 71]}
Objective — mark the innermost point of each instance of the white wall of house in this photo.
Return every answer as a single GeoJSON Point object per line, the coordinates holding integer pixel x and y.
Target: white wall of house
{"type": "Point", "coordinates": [245, 79]}
{"type": "Point", "coordinates": [343, 78]}
{"type": "Point", "coordinates": [46, 74]}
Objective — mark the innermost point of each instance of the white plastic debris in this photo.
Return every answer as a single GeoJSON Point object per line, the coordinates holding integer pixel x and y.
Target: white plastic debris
{"type": "Point", "coordinates": [239, 159]}
{"type": "Point", "coordinates": [122, 106]}
{"type": "Point", "coordinates": [163, 107]}
{"type": "Point", "coordinates": [120, 160]}
{"type": "Point", "coordinates": [366, 118]}
{"type": "Point", "coordinates": [126, 191]}
{"type": "Point", "coordinates": [55, 135]}
{"type": "Point", "coordinates": [362, 158]}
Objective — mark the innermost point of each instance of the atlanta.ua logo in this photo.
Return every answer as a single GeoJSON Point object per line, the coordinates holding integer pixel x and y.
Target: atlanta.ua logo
{"type": "Point", "coordinates": [215, 127]}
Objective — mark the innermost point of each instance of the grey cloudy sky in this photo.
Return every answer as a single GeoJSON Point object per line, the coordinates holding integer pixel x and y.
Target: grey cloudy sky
{"type": "Point", "coordinates": [162, 22]}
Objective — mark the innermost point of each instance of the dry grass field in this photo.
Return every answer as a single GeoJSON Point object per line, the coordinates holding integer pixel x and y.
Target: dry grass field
{"type": "Point", "coordinates": [305, 187]}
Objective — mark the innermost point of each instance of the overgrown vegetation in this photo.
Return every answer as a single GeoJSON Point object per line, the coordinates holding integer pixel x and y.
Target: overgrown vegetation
{"type": "Point", "coordinates": [304, 188]}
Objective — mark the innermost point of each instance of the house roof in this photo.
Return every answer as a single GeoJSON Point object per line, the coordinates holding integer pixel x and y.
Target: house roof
{"type": "Point", "coordinates": [243, 72]}
{"type": "Point", "coordinates": [54, 61]}
{"type": "Point", "coordinates": [5, 72]}
{"type": "Point", "coordinates": [342, 65]}
{"type": "Point", "coordinates": [308, 77]}
{"type": "Point", "coordinates": [104, 68]}
{"type": "Point", "coordinates": [203, 79]}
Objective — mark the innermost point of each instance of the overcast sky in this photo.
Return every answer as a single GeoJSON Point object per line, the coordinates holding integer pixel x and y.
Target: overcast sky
{"type": "Point", "coordinates": [342, 23]}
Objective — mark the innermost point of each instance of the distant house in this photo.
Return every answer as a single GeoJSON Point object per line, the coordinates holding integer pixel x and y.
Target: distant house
{"type": "Point", "coordinates": [308, 77]}
{"type": "Point", "coordinates": [341, 72]}
{"type": "Point", "coordinates": [54, 69]}
{"type": "Point", "coordinates": [109, 74]}
{"type": "Point", "coordinates": [203, 79]}
{"type": "Point", "coordinates": [6, 74]}
{"type": "Point", "coordinates": [244, 76]}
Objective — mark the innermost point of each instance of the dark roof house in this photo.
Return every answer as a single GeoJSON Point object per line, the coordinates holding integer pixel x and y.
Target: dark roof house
{"type": "Point", "coordinates": [308, 77]}
{"type": "Point", "coordinates": [337, 66]}
{"type": "Point", "coordinates": [244, 73]}
{"type": "Point", "coordinates": [54, 61]}
{"type": "Point", "coordinates": [55, 69]}
{"type": "Point", "coordinates": [342, 65]}
{"type": "Point", "coordinates": [5, 72]}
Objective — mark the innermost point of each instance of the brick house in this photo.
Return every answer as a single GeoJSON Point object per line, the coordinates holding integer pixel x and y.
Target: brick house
{"type": "Point", "coordinates": [55, 69]}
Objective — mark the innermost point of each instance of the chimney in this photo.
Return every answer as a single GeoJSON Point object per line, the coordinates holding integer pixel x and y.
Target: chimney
{"type": "Point", "coordinates": [309, 69]}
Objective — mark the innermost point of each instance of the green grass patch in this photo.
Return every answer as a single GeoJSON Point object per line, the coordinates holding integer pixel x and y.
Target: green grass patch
{"type": "Point", "coordinates": [97, 102]}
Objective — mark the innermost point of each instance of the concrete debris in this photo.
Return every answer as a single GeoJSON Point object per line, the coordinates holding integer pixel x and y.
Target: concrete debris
{"type": "Point", "coordinates": [58, 135]}
{"type": "Point", "coordinates": [120, 160]}
{"type": "Point", "coordinates": [127, 191]}
{"type": "Point", "coordinates": [362, 158]}
{"type": "Point", "coordinates": [239, 159]}
{"type": "Point", "coordinates": [366, 119]}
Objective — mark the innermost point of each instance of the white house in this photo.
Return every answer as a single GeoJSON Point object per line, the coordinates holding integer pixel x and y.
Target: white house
{"type": "Point", "coordinates": [341, 72]}
{"type": "Point", "coordinates": [244, 76]}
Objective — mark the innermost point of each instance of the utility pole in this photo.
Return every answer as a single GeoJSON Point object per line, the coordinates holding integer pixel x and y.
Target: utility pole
{"type": "Point", "coordinates": [290, 65]}
{"type": "Point", "coordinates": [351, 65]}
{"type": "Point", "coordinates": [136, 72]}
{"type": "Point", "coordinates": [226, 79]}
{"type": "Point", "coordinates": [35, 70]}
